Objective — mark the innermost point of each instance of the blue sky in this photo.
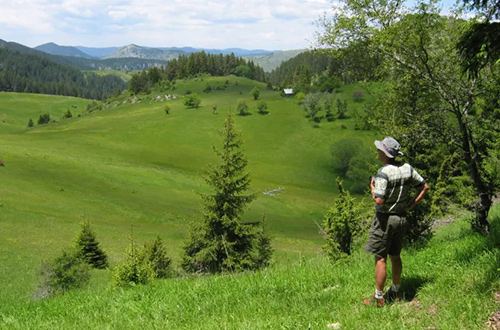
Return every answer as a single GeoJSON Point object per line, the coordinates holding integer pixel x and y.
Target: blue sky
{"type": "Point", "coordinates": [250, 24]}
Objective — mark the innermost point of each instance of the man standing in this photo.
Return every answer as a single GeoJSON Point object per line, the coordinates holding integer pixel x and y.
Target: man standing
{"type": "Point", "coordinates": [390, 190]}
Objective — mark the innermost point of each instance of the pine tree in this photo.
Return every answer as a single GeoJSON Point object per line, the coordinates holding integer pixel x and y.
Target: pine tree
{"type": "Point", "coordinates": [340, 224]}
{"type": "Point", "coordinates": [222, 242]}
{"type": "Point", "coordinates": [88, 247]}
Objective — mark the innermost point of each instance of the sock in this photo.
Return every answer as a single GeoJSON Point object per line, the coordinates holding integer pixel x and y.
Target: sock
{"type": "Point", "coordinates": [379, 294]}
{"type": "Point", "coordinates": [395, 287]}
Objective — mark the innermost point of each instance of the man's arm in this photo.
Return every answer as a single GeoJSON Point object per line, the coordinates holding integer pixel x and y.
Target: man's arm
{"type": "Point", "coordinates": [379, 201]}
{"type": "Point", "coordinates": [420, 195]}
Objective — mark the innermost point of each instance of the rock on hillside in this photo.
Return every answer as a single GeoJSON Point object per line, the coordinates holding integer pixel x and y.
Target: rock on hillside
{"type": "Point", "coordinates": [135, 51]}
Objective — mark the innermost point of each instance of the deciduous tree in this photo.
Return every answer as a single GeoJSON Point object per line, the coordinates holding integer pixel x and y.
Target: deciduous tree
{"type": "Point", "coordinates": [430, 106]}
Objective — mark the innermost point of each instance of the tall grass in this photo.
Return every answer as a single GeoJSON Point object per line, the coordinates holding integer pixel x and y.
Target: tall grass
{"type": "Point", "coordinates": [447, 285]}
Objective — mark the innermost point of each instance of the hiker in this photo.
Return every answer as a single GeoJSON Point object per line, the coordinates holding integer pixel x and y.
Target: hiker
{"type": "Point", "coordinates": [390, 191]}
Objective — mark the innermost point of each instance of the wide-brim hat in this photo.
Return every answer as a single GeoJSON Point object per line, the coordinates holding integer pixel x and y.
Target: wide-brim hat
{"type": "Point", "coordinates": [389, 146]}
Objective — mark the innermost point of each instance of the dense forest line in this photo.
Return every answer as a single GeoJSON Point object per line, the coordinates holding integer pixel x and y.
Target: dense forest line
{"type": "Point", "coordinates": [32, 73]}
{"type": "Point", "coordinates": [193, 64]}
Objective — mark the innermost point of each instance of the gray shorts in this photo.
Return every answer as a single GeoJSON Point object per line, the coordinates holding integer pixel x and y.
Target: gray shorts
{"type": "Point", "coordinates": [386, 234]}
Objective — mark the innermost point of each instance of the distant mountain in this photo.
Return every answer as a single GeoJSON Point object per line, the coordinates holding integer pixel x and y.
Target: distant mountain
{"type": "Point", "coordinates": [55, 49]}
{"type": "Point", "coordinates": [83, 63]}
{"type": "Point", "coordinates": [97, 52]}
{"type": "Point", "coordinates": [239, 52]}
{"type": "Point", "coordinates": [134, 51]}
{"type": "Point", "coordinates": [18, 47]}
{"type": "Point", "coordinates": [134, 57]}
{"type": "Point", "coordinates": [271, 61]}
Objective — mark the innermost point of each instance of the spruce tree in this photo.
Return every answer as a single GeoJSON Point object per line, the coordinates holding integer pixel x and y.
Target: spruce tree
{"type": "Point", "coordinates": [88, 247]}
{"type": "Point", "coordinates": [221, 242]}
{"type": "Point", "coordinates": [341, 223]}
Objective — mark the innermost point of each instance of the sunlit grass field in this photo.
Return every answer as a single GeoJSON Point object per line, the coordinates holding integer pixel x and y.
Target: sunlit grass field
{"type": "Point", "coordinates": [135, 168]}
{"type": "Point", "coordinates": [448, 284]}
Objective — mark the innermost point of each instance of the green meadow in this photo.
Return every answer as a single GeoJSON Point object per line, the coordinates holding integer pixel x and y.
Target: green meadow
{"type": "Point", "coordinates": [135, 168]}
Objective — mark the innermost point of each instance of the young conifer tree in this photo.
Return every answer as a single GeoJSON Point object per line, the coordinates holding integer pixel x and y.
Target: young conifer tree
{"type": "Point", "coordinates": [88, 247]}
{"type": "Point", "coordinates": [222, 242]}
{"type": "Point", "coordinates": [340, 224]}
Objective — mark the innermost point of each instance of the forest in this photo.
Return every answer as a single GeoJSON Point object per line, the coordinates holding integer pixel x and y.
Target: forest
{"type": "Point", "coordinates": [30, 73]}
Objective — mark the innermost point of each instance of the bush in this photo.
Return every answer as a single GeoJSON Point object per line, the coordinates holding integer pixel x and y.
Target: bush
{"type": "Point", "coordinates": [192, 100]}
{"type": "Point", "coordinates": [88, 249]}
{"type": "Point", "coordinates": [154, 257]}
{"type": "Point", "coordinates": [343, 151]}
{"type": "Point", "coordinates": [242, 108]}
{"type": "Point", "coordinates": [66, 272]}
{"type": "Point", "coordinates": [67, 114]}
{"type": "Point", "coordinates": [43, 119]}
{"type": "Point", "coordinates": [420, 222]}
{"type": "Point", "coordinates": [341, 223]}
{"type": "Point", "coordinates": [262, 108]}
{"type": "Point", "coordinates": [94, 106]}
{"type": "Point", "coordinates": [142, 266]}
{"type": "Point", "coordinates": [255, 93]}
{"type": "Point", "coordinates": [31, 123]}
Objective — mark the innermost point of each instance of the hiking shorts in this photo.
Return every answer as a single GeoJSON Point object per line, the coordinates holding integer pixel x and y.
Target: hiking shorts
{"type": "Point", "coordinates": [386, 234]}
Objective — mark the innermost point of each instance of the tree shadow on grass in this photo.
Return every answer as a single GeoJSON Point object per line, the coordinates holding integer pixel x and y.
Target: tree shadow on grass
{"type": "Point", "coordinates": [410, 286]}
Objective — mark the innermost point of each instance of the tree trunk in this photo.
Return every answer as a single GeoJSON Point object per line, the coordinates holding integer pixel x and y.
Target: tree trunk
{"type": "Point", "coordinates": [483, 204]}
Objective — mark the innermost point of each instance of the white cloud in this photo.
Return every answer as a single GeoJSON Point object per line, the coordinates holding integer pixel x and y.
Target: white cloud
{"type": "Point", "coordinates": [265, 24]}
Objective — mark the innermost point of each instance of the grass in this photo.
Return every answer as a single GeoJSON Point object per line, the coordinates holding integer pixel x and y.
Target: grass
{"type": "Point", "coordinates": [449, 284]}
{"type": "Point", "coordinates": [135, 166]}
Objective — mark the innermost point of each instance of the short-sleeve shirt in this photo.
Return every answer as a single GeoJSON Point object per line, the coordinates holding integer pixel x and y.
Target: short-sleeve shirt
{"type": "Point", "coordinates": [392, 184]}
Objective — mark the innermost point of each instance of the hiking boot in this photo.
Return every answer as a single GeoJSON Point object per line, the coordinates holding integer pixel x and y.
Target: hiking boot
{"type": "Point", "coordinates": [372, 301]}
{"type": "Point", "coordinates": [392, 296]}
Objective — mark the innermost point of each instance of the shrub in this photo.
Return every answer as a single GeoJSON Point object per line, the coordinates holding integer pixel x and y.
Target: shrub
{"type": "Point", "coordinates": [154, 257]}
{"type": "Point", "coordinates": [242, 108]}
{"type": "Point", "coordinates": [341, 223]}
{"type": "Point", "coordinates": [94, 106]}
{"type": "Point", "coordinates": [43, 119]}
{"type": "Point", "coordinates": [262, 108]}
{"type": "Point", "coordinates": [341, 109]}
{"type": "Point", "coordinates": [420, 221]}
{"type": "Point", "coordinates": [343, 151]}
{"type": "Point", "coordinates": [88, 249]}
{"type": "Point", "coordinates": [192, 100]}
{"type": "Point", "coordinates": [142, 266]}
{"type": "Point", "coordinates": [31, 123]}
{"type": "Point", "coordinates": [66, 272]}
{"type": "Point", "coordinates": [255, 93]}
{"type": "Point", "coordinates": [67, 114]}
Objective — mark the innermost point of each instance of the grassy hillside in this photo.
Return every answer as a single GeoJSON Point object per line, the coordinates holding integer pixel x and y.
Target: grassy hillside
{"type": "Point", "coordinates": [449, 284]}
{"type": "Point", "coordinates": [133, 165]}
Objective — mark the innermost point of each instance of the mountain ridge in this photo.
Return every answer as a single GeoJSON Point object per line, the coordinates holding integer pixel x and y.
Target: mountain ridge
{"type": "Point", "coordinates": [267, 59]}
